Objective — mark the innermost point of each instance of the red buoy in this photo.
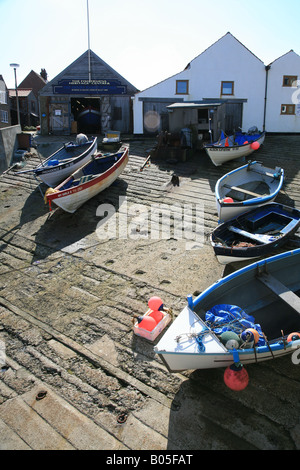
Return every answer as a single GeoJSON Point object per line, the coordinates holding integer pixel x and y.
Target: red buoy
{"type": "Point", "coordinates": [228, 200]}
{"type": "Point", "coordinates": [146, 322]}
{"type": "Point", "coordinates": [236, 377]}
{"type": "Point", "coordinates": [155, 303]}
{"type": "Point", "coordinates": [255, 145]}
{"type": "Point", "coordinates": [157, 315]}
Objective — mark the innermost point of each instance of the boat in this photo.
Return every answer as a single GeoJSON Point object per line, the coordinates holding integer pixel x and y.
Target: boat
{"type": "Point", "coordinates": [255, 234]}
{"type": "Point", "coordinates": [249, 316]}
{"type": "Point", "coordinates": [111, 137]}
{"type": "Point", "coordinates": [65, 160]}
{"type": "Point", "coordinates": [245, 188]}
{"type": "Point", "coordinates": [88, 181]}
{"type": "Point", "coordinates": [111, 140]}
{"type": "Point", "coordinates": [234, 146]}
{"type": "Point", "coordinates": [89, 118]}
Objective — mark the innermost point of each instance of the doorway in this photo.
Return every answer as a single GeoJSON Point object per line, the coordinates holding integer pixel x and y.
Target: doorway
{"type": "Point", "coordinates": [86, 112]}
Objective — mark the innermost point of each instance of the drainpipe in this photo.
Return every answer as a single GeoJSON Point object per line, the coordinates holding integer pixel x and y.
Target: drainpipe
{"type": "Point", "coordinates": [267, 68]}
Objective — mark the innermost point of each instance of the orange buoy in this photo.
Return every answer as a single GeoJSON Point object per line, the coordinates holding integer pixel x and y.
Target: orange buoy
{"type": "Point", "coordinates": [255, 334]}
{"type": "Point", "coordinates": [293, 336]}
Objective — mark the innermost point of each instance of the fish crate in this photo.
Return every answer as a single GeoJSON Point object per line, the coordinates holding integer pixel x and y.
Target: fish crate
{"type": "Point", "coordinates": [152, 335]}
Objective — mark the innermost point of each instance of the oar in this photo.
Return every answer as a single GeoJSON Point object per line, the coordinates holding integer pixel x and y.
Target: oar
{"type": "Point", "coordinates": [145, 162]}
{"type": "Point", "coordinates": [25, 171]}
{"type": "Point", "coordinates": [254, 236]}
{"type": "Point", "coordinates": [9, 169]}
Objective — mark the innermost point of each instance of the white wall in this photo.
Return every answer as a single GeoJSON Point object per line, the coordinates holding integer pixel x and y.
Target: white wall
{"type": "Point", "coordinates": [225, 60]}
{"type": "Point", "coordinates": [289, 64]}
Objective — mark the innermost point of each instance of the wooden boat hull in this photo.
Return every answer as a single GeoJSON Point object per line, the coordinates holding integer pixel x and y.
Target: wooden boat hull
{"type": "Point", "coordinates": [251, 240]}
{"type": "Point", "coordinates": [70, 198]}
{"type": "Point", "coordinates": [268, 290]}
{"type": "Point", "coordinates": [249, 186]}
{"type": "Point", "coordinates": [220, 154]}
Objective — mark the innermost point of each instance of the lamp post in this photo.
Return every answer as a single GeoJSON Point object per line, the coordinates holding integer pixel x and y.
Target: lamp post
{"type": "Point", "coordinates": [17, 99]}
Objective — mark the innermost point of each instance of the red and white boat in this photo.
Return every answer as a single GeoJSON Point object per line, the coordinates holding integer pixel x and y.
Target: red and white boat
{"type": "Point", "coordinates": [89, 180]}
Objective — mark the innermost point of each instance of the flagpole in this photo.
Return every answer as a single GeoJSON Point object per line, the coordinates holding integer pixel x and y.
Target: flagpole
{"type": "Point", "coordinates": [89, 50]}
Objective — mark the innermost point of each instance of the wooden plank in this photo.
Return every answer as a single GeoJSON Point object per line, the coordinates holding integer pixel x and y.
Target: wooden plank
{"type": "Point", "coordinates": [288, 296]}
{"type": "Point", "coordinates": [242, 190]}
{"type": "Point", "coordinates": [259, 237]}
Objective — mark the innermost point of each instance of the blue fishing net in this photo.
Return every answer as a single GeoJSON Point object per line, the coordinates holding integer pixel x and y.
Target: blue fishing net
{"type": "Point", "coordinates": [225, 317]}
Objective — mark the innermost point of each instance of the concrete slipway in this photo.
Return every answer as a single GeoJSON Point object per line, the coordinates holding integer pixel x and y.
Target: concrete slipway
{"type": "Point", "coordinates": [74, 376]}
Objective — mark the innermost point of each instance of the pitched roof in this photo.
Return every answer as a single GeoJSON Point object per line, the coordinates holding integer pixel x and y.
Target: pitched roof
{"type": "Point", "coordinates": [99, 69]}
{"type": "Point", "coordinates": [22, 92]}
{"type": "Point", "coordinates": [283, 55]}
{"type": "Point", "coordinates": [221, 39]}
{"type": "Point", "coordinates": [33, 81]}
{"type": "Point", "coordinates": [212, 45]}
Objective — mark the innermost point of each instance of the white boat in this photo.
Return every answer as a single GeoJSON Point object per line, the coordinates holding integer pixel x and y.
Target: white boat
{"type": "Point", "coordinates": [234, 146]}
{"type": "Point", "coordinates": [245, 188]}
{"type": "Point", "coordinates": [65, 160]}
{"type": "Point", "coordinates": [88, 181]}
{"type": "Point", "coordinates": [262, 297]}
{"type": "Point", "coordinates": [111, 137]}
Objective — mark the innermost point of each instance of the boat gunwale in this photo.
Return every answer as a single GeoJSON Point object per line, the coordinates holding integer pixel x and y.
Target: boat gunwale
{"type": "Point", "coordinates": [251, 267]}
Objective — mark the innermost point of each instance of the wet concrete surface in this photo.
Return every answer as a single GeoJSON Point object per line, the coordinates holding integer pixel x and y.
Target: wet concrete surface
{"type": "Point", "coordinates": [74, 375]}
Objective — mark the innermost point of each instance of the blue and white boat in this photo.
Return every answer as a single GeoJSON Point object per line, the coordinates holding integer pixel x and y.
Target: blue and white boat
{"type": "Point", "coordinates": [255, 234]}
{"type": "Point", "coordinates": [245, 188]}
{"type": "Point", "coordinates": [234, 146]}
{"type": "Point", "coordinates": [65, 160]}
{"type": "Point", "coordinates": [250, 316]}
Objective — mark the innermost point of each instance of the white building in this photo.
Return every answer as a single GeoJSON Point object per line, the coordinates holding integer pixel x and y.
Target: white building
{"type": "Point", "coordinates": [225, 87]}
{"type": "Point", "coordinates": [283, 94]}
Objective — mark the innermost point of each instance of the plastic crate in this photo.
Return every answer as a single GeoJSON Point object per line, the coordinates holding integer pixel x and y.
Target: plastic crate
{"type": "Point", "coordinates": [151, 335]}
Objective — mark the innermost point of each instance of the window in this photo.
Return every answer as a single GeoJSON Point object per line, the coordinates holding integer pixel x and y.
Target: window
{"type": "Point", "coordinates": [287, 109]}
{"type": "Point", "coordinates": [227, 88]}
{"type": "Point", "coordinates": [182, 87]}
{"type": "Point", "coordinates": [4, 116]}
{"type": "Point", "coordinates": [3, 97]}
{"type": "Point", "coordinates": [288, 80]}
{"type": "Point", "coordinates": [117, 113]}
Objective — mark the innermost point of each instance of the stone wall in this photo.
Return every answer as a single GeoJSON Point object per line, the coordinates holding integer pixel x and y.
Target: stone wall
{"type": "Point", "coordinates": [8, 144]}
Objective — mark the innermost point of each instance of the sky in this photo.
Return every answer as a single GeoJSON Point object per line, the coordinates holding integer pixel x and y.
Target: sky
{"type": "Point", "coordinates": [144, 41]}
